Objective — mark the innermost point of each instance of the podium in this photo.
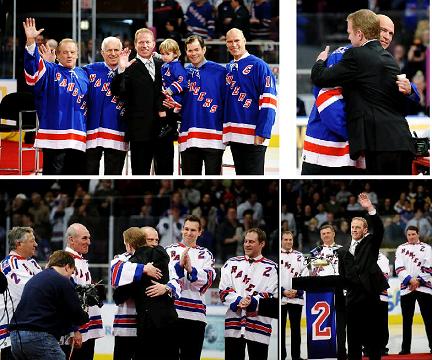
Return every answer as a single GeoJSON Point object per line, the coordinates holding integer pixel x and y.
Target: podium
{"type": "Point", "coordinates": [320, 314]}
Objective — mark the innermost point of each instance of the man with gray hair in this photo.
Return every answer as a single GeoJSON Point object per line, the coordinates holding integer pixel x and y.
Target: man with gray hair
{"type": "Point", "coordinates": [105, 128]}
{"type": "Point", "coordinates": [78, 242]}
{"type": "Point", "coordinates": [18, 267]}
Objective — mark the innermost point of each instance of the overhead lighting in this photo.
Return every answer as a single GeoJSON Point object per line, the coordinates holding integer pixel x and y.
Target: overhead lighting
{"type": "Point", "coordinates": [85, 25]}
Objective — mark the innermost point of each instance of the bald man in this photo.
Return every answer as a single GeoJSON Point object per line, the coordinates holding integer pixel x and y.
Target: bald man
{"type": "Point", "coordinates": [78, 243]}
{"type": "Point", "coordinates": [250, 106]}
{"type": "Point", "coordinates": [105, 124]}
{"type": "Point", "coordinates": [326, 148]}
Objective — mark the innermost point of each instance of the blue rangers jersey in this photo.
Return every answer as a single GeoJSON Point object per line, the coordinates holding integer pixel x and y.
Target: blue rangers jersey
{"type": "Point", "coordinates": [251, 101]}
{"type": "Point", "coordinates": [200, 20]}
{"type": "Point", "coordinates": [174, 78]}
{"type": "Point", "coordinates": [105, 126]}
{"type": "Point", "coordinates": [240, 277]}
{"type": "Point", "coordinates": [60, 100]}
{"type": "Point", "coordinates": [93, 329]}
{"type": "Point", "coordinates": [191, 303]}
{"type": "Point", "coordinates": [326, 140]}
{"type": "Point", "coordinates": [202, 107]}
{"type": "Point", "coordinates": [18, 271]}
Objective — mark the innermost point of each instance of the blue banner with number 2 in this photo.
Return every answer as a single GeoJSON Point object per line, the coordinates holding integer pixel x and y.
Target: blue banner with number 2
{"type": "Point", "coordinates": [321, 325]}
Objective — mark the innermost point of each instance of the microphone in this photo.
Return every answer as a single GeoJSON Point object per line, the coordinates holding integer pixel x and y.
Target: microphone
{"type": "Point", "coordinates": [3, 283]}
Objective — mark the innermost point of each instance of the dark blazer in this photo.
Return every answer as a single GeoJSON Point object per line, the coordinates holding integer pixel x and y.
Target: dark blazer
{"type": "Point", "coordinates": [362, 276]}
{"type": "Point", "coordinates": [374, 106]}
{"type": "Point", "coordinates": [143, 100]}
{"type": "Point", "coordinates": [157, 312]}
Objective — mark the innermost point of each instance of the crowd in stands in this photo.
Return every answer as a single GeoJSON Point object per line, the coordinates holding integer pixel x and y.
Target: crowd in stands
{"type": "Point", "coordinates": [309, 204]}
{"type": "Point", "coordinates": [226, 208]}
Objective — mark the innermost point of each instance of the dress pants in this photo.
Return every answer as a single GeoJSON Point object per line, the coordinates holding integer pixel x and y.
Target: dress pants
{"type": "Point", "coordinates": [248, 158]}
{"type": "Point", "coordinates": [235, 349]}
{"type": "Point", "coordinates": [125, 347]}
{"type": "Point", "coordinates": [156, 343]}
{"type": "Point", "coordinates": [407, 307]}
{"type": "Point", "coordinates": [63, 162]}
{"type": "Point", "coordinates": [159, 150]}
{"type": "Point", "coordinates": [294, 312]}
{"type": "Point", "coordinates": [113, 161]}
{"type": "Point", "coordinates": [389, 162]}
{"type": "Point", "coordinates": [362, 329]}
{"type": "Point", "coordinates": [193, 159]}
{"type": "Point", "coordinates": [190, 338]}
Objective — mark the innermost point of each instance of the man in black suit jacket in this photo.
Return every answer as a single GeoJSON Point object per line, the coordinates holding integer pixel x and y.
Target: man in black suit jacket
{"type": "Point", "coordinates": [374, 106]}
{"type": "Point", "coordinates": [364, 282]}
{"type": "Point", "coordinates": [156, 315]}
{"type": "Point", "coordinates": [139, 84]}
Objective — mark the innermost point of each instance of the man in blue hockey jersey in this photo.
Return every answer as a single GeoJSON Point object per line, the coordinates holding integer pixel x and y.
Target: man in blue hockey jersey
{"type": "Point", "coordinates": [200, 138]}
{"type": "Point", "coordinates": [105, 126]}
{"type": "Point", "coordinates": [250, 106]}
{"type": "Point", "coordinates": [61, 102]}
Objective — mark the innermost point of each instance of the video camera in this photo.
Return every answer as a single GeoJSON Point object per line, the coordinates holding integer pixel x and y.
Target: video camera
{"type": "Point", "coordinates": [91, 295]}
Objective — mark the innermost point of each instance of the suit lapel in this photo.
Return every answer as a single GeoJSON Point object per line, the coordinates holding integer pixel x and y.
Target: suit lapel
{"type": "Point", "coordinates": [142, 68]}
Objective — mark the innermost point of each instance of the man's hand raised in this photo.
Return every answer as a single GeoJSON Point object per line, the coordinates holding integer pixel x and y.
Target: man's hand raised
{"type": "Point", "coordinates": [365, 202]}
{"type": "Point", "coordinates": [30, 30]}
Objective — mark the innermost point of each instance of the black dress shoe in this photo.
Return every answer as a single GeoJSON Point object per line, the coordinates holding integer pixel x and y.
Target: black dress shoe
{"type": "Point", "coordinates": [404, 352]}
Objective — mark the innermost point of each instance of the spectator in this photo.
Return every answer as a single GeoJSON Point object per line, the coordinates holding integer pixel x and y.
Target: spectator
{"type": "Point", "coordinates": [191, 196]}
{"type": "Point", "coordinates": [399, 55]}
{"type": "Point", "coordinates": [199, 19]}
{"type": "Point", "coordinates": [251, 203]}
{"type": "Point", "coordinates": [166, 11]}
{"type": "Point", "coordinates": [170, 227]}
{"type": "Point", "coordinates": [398, 206]}
{"type": "Point", "coordinates": [420, 108]}
{"type": "Point", "coordinates": [289, 217]}
{"type": "Point", "coordinates": [371, 194]}
{"type": "Point", "coordinates": [260, 20]}
{"type": "Point", "coordinates": [422, 224]}
{"type": "Point", "coordinates": [321, 215]}
{"type": "Point", "coordinates": [208, 210]}
{"type": "Point", "coordinates": [343, 194]}
{"type": "Point", "coordinates": [386, 208]}
{"type": "Point", "coordinates": [240, 19]}
{"type": "Point", "coordinates": [225, 14]}
{"type": "Point", "coordinates": [206, 239]}
{"type": "Point", "coordinates": [393, 231]}
{"type": "Point", "coordinates": [407, 212]}
{"type": "Point", "coordinates": [334, 206]}
{"type": "Point", "coordinates": [353, 205]}
{"type": "Point", "coordinates": [301, 108]}
{"type": "Point", "coordinates": [228, 235]}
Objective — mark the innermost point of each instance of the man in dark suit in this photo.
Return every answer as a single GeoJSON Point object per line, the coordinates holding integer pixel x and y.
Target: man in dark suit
{"type": "Point", "coordinates": [156, 313]}
{"type": "Point", "coordinates": [364, 282]}
{"type": "Point", "coordinates": [139, 84]}
{"type": "Point", "coordinates": [374, 106]}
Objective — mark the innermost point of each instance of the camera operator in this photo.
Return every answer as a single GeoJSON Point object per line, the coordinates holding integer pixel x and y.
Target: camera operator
{"type": "Point", "coordinates": [18, 267]}
{"type": "Point", "coordinates": [78, 241]}
{"type": "Point", "coordinates": [49, 307]}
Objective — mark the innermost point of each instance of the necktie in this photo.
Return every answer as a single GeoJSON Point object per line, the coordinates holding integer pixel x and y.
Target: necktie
{"type": "Point", "coordinates": [150, 67]}
{"type": "Point", "coordinates": [353, 246]}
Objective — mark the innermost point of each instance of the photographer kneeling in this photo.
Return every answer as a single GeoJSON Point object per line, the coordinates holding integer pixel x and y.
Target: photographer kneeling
{"type": "Point", "coordinates": [48, 309]}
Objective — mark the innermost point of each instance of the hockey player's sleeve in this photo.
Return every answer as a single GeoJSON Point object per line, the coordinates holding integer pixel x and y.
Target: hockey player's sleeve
{"type": "Point", "coordinates": [201, 278]}
{"type": "Point", "coordinates": [17, 276]}
{"type": "Point", "coordinates": [267, 101]}
{"type": "Point", "coordinates": [180, 75]}
{"type": "Point", "coordinates": [414, 96]}
{"type": "Point", "coordinates": [35, 68]}
{"type": "Point", "coordinates": [271, 290]}
{"type": "Point", "coordinates": [123, 273]}
{"type": "Point", "coordinates": [400, 268]}
{"type": "Point", "coordinates": [227, 292]}
{"type": "Point", "coordinates": [425, 276]}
